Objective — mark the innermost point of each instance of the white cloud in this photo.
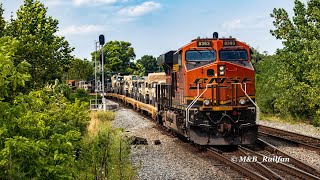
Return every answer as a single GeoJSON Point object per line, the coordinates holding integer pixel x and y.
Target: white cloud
{"type": "Point", "coordinates": [232, 25]}
{"type": "Point", "coordinates": [140, 10]}
{"type": "Point", "coordinates": [258, 22]}
{"type": "Point", "coordinates": [80, 30]}
{"type": "Point", "coordinates": [81, 2]}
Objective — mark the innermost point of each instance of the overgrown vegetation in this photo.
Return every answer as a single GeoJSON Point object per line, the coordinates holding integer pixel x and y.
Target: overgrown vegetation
{"type": "Point", "coordinates": [43, 130]}
{"type": "Point", "coordinates": [288, 83]}
{"type": "Point", "coordinates": [107, 153]}
{"type": "Point", "coordinates": [105, 116]}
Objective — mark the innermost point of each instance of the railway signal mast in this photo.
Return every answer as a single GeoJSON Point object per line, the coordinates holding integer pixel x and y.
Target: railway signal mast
{"type": "Point", "coordinates": [102, 42]}
{"type": "Point", "coordinates": [99, 69]}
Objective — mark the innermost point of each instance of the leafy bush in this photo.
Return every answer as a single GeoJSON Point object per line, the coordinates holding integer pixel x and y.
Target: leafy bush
{"type": "Point", "coordinates": [41, 132]}
{"type": "Point", "coordinates": [65, 90]}
{"type": "Point", "coordinates": [80, 94]}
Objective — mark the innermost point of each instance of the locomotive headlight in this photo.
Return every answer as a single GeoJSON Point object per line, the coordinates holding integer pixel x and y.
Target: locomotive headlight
{"type": "Point", "coordinates": [222, 70]}
{"type": "Point", "coordinates": [206, 102]}
{"type": "Point", "coordinates": [242, 102]}
{"type": "Point", "coordinates": [221, 73]}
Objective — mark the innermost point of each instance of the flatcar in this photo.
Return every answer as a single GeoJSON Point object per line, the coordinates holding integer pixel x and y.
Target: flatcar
{"type": "Point", "coordinates": [207, 92]}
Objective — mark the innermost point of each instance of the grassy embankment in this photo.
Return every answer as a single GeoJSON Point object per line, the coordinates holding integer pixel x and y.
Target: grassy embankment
{"type": "Point", "coordinates": [107, 152]}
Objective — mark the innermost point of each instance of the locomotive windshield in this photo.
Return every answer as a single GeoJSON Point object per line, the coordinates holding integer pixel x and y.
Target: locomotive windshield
{"type": "Point", "coordinates": [233, 55]}
{"type": "Point", "coordinates": [200, 55]}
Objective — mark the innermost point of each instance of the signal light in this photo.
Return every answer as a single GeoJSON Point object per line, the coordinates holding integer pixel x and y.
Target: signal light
{"type": "Point", "coordinates": [101, 40]}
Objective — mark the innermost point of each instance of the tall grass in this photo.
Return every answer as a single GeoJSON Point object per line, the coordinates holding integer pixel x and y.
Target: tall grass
{"type": "Point", "coordinates": [105, 116]}
{"type": "Point", "coordinates": [106, 153]}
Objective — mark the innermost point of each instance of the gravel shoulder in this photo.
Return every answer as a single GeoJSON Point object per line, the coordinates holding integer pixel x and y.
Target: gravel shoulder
{"type": "Point", "coordinates": [172, 159]}
{"type": "Point", "coordinates": [302, 128]}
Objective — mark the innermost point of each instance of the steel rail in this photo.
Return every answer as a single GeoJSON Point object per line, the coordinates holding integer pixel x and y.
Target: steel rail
{"type": "Point", "coordinates": [245, 171]}
{"type": "Point", "coordinates": [303, 141]}
{"type": "Point", "coordinates": [306, 170]}
{"type": "Point", "coordinates": [288, 133]}
{"type": "Point", "coordinates": [285, 167]}
{"type": "Point", "coordinates": [260, 167]}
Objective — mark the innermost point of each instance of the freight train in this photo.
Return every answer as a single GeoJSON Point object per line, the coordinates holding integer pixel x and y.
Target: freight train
{"type": "Point", "coordinates": [205, 94]}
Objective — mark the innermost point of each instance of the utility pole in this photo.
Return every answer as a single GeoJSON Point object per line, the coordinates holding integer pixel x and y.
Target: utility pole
{"type": "Point", "coordinates": [102, 42]}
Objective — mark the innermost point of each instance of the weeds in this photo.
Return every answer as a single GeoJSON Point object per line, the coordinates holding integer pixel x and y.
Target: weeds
{"type": "Point", "coordinates": [106, 153]}
{"type": "Point", "coordinates": [105, 116]}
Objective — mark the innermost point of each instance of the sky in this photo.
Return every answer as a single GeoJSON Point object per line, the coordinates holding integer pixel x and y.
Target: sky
{"type": "Point", "coordinates": [154, 27]}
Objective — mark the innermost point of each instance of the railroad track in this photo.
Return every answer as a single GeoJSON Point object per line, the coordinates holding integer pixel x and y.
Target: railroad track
{"type": "Point", "coordinates": [258, 165]}
{"type": "Point", "coordinates": [300, 140]}
{"type": "Point", "coordinates": [226, 158]}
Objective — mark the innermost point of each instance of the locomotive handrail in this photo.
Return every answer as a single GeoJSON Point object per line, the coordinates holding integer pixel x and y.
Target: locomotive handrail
{"type": "Point", "coordinates": [245, 93]}
{"type": "Point", "coordinates": [187, 110]}
{"type": "Point", "coordinates": [193, 102]}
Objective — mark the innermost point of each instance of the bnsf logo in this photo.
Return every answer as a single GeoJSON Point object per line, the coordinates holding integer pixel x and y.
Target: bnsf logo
{"type": "Point", "coordinates": [217, 81]}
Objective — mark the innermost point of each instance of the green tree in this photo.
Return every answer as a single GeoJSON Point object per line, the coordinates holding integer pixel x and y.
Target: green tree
{"type": "Point", "coordinates": [295, 76]}
{"type": "Point", "coordinates": [2, 22]}
{"type": "Point", "coordinates": [11, 77]}
{"type": "Point", "coordinates": [118, 56]}
{"type": "Point", "coordinates": [257, 56]}
{"type": "Point", "coordinates": [80, 69]}
{"type": "Point", "coordinates": [48, 54]}
{"type": "Point", "coordinates": [139, 70]}
{"type": "Point", "coordinates": [149, 63]}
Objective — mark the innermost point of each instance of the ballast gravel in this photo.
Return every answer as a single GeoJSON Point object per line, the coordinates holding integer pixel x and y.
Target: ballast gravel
{"type": "Point", "coordinates": [302, 128]}
{"type": "Point", "coordinates": [172, 159]}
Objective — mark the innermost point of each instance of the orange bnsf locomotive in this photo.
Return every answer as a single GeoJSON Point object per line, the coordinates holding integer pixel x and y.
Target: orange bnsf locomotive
{"type": "Point", "coordinates": [207, 93]}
